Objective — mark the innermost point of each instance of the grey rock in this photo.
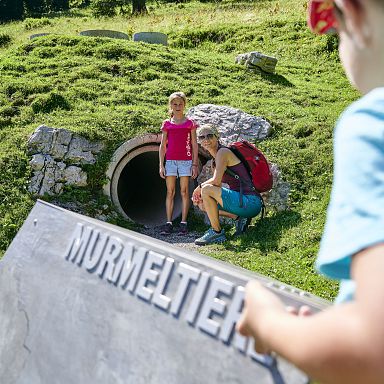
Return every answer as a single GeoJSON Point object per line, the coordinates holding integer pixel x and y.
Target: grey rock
{"type": "Point", "coordinates": [37, 162]}
{"type": "Point", "coordinates": [257, 60]}
{"type": "Point", "coordinates": [233, 124]}
{"type": "Point", "coordinates": [75, 176]}
{"type": "Point", "coordinates": [57, 156]}
{"type": "Point", "coordinates": [35, 183]}
{"type": "Point", "coordinates": [58, 188]}
{"type": "Point", "coordinates": [41, 140]}
{"type": "Point", "coordinates": [277, 197]}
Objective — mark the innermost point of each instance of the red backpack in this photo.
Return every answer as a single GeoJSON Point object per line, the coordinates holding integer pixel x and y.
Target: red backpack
{"type": "Point", "coordinates": [255, 163]}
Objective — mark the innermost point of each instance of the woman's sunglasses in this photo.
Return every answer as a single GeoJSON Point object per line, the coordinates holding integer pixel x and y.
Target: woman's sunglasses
{"type": "Point", "coordinates": [322, 16]}
{"type": "Point", "coordinates": [208, 136]}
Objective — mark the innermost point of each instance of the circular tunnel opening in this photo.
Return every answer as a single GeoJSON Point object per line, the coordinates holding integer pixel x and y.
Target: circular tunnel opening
{"type": "Point", "coordinates": [142, 192]}
{"type": "Point", "coordinates": [135, 186]}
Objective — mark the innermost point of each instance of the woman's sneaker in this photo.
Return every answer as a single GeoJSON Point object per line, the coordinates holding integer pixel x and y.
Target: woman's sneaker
{"type": "Point", "coordinates": [167, 229]}
{"type": "Point", "coordinates": [241, 224]}
{"type": "Point", "coordinates": [211, 237]}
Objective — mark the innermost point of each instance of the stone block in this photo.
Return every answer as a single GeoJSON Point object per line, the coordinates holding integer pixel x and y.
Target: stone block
{"type": "Point", "coordinates": [104, 33]}
{"type": "Point", "coordinates": [151, 37]}
{"type": "Point", "coordinates": [34, 36]}
{"type": "Point", "coordinates": [257, 60]}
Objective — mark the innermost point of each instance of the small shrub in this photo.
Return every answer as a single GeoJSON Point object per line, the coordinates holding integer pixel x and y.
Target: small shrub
{"type": "Point", "coordinates": [328, 44]}
{"type": "Point", "coordinates": [20, 89]}
{"type": "Point", "coordinates": [114, 51]}
{"type": "Point", "coordinates": [332, 44]}
{"type": "Point", "coordinates": [79, 3]}
{"type": "Point", "coordinates": [8, 111]}
{"type": "Point", "coordinates": [151, 74]}
{"type": "Point", "coordinates": [49, 102]}
{"type": "Point", "coordinates": [4, 39]}
{"type": "Point", "coordinates": [193, 38]}
{"type": "Point", "coordinates": [31, 23]}
{"type": "Point", "coordinates": [5, 122]}
{"type": "Point", "coordinates": [213, 91]}
{"type": "Point", "coordinates": [107, 8]}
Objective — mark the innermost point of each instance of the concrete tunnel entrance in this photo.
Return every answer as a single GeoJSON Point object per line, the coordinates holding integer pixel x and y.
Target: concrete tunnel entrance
{"type": "Point", "coordinates": [134, 185]}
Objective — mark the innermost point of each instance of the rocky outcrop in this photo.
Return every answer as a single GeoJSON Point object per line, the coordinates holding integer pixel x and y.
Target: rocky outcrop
{"type": "Point", "coordinates": [57, 159]}
{"type": "Point", "coordinates": [233, 124]}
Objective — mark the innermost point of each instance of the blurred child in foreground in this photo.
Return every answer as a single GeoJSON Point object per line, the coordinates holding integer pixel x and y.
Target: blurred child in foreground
{"type": "Point", "coordinates": [345, 343]}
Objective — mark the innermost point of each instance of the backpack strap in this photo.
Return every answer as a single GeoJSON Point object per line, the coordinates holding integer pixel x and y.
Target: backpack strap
{"type": "Point", "coordinates": [245, 181]}
{"type": "Point", "coordinates": [242, 181]}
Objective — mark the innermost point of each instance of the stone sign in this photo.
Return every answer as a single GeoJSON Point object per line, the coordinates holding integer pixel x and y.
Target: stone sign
{"type": "Point", "coordinates": [104, 33]}
{"type": "Point", "coordinates": [82, 301]}
{"type": "Point", "coordinates": [151, 37]}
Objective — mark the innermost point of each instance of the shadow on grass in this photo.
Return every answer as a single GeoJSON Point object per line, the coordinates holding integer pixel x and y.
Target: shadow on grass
{"type": "Point", "coordinates": [266, 233]}
{"type": "Point", "coordinates": [274, 78]}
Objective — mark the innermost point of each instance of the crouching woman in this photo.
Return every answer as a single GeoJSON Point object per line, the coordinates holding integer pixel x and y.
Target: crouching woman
{"type": "Point", "coordinates": [216, 200]}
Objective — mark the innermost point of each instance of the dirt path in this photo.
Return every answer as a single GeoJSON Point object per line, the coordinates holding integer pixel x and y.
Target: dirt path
{"type": "Point", "coordinates": [182, 241]}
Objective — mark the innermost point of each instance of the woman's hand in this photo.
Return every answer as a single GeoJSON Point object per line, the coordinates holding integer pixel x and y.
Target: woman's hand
{"type": "Point", "coordinates": [196, 196]}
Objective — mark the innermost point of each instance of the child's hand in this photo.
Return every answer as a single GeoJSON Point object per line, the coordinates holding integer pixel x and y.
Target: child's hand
{"type": "Point", "coordinates": [162, 172]}
{"type": "Point", "coordinates": [195, 171]}
{"type": "Point", "coordinates": [304, 310]}
{"type": "Point", "coordinates": [259, 305]}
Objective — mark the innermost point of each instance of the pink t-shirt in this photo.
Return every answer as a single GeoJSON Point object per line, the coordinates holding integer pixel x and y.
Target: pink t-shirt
{"type": "Point", "coordinates": [179, 139]}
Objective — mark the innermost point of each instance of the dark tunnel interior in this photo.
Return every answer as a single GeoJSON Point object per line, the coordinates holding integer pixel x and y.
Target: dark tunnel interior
{"type": "Point", "coordinates": [141, 191]}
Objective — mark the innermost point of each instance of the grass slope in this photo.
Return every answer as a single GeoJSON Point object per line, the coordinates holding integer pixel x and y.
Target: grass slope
{"type": "Point", "coordinates": [112, 90]}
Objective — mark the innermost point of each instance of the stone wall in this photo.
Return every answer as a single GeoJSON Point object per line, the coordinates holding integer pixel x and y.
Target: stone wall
{"type": "Point", "coordinates": [57, 159]}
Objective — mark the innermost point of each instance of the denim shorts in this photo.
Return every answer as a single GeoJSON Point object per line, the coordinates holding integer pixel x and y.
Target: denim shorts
{"type": "Point", "coordinates": [178, 168]}
{"type": "Point", "coordinates": [231, 203]}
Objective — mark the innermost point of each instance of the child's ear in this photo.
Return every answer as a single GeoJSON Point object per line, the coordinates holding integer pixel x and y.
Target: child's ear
{"type": "Point", "coordinates": [356, 21]}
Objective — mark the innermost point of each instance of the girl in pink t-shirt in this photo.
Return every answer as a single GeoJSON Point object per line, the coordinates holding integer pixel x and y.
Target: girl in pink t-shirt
{"type": "Point", "coordinates": [179, 150]}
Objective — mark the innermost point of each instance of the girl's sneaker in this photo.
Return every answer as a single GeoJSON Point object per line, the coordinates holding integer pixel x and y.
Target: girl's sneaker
{"type": "Point", "coordinates": [183, 229]}
{"type": "Point", "coordinates": [211, 237]}
{"type": "Point", "coordinates": [167, 229]}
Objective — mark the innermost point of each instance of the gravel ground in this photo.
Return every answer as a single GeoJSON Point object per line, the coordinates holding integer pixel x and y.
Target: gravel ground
{"type": "Point", "coordinates": [182, 241]}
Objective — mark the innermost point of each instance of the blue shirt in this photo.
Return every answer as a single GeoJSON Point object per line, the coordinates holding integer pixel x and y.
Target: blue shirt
{"type": "Point", "coordinates": [355, 216]}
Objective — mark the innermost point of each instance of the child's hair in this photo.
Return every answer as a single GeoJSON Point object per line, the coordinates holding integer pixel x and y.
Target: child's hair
{"type": "Point", "coordinates": [176, 95]}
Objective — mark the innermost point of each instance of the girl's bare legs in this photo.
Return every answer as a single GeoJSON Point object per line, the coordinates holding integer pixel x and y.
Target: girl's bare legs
{"type": "Point", "coordinates": [169, 201]}
{"type": "Point", "coordinates": [184, 191]}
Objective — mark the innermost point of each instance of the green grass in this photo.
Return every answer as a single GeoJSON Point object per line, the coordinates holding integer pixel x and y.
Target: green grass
{"type": "Point", "coordinates": [112, 90]}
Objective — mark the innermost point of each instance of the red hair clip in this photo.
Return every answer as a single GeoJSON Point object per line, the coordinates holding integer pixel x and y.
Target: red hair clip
{"type": "Point", "coordinates": [321, 18]}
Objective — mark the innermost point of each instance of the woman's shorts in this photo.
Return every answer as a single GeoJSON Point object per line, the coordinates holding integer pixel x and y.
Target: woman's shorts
{"type": "Point", "coordinates": [231, 203]}
{"type": "Point", "coordinates": [178, 168]}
